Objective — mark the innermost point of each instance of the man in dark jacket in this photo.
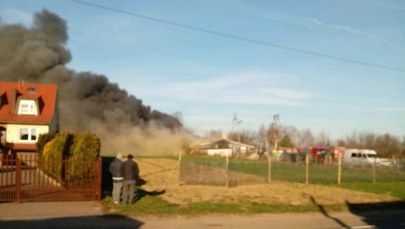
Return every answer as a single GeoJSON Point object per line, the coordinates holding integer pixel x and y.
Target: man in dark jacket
{"type": "Point", "coordinates": [131, 175]}
{"type": "Point", "coordinates": [116, 171]}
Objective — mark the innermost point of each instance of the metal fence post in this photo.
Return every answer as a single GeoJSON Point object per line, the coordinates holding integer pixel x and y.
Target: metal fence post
{"type": "Point", "coordinates": [306, 169]}
{"type": "Point", "coordinates": [18, 181]}
{"type": "Point", "coordinates": [99, 171]}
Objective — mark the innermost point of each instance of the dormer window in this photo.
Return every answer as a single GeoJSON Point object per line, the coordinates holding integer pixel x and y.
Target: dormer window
{"type": "Point", "coordinates": [27, 107]}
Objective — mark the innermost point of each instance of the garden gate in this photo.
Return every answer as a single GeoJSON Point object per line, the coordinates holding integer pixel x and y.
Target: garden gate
{"type": "Point", "coordinates": [26, 178]}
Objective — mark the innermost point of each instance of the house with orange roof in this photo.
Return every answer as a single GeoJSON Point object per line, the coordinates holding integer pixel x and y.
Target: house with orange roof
{"type": "Point", "coordinates": [27, 110]}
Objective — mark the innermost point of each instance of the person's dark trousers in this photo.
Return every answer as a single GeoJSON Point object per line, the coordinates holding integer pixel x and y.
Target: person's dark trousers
{"type": "Point", "coordinates": [128, 191]}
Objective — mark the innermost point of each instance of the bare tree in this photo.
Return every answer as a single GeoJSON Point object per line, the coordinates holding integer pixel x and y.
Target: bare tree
{"type": "Point", "coordinates": [402, 153]}
{"type": "Point", "coordinates": [307, 139]}
{"type": "Point", "coordinates": [244, 136]}
{"type": "Point", "coordinates": [262, 139]}
{"type": "Point", "coordinates": [386, 145]}
{"type": "Point", "coordinates": [323, 139]}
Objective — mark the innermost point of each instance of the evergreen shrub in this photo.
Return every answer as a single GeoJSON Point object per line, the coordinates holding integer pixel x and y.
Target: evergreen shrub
{"type": "Point", "coordinates": [65, 156]}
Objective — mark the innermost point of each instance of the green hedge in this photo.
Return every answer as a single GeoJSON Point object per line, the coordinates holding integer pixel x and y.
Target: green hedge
{"type": "Point", "coordinates": [63, 156]}
{"type": "Point", "coordinates": [84, 149]}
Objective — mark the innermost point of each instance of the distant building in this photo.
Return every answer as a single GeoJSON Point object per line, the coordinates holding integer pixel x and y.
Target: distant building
{"type": "Point", "coordinates": [225, 147]}
{"type": "Point", "coordinates": [26, 111]}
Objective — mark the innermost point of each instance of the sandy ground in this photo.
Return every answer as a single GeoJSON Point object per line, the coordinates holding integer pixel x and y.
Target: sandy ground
{"type": "Point", "coordinates": [162, 174]}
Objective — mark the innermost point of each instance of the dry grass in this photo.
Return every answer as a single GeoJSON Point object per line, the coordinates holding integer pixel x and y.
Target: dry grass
{"type": "Point", "coordinates": [163, 174]}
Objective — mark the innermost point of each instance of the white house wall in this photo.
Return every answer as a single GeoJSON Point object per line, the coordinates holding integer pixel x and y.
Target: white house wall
{"type": "Point", "coordinates": [13, 135]}
{"type": "Point", "coordinates": [239, 149]}
{"type": "Point", "coordinates": [219, 152]}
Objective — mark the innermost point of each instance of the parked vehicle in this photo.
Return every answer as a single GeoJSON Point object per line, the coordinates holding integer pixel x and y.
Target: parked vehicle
{"type": "Point", "coordinates": [361, 157]}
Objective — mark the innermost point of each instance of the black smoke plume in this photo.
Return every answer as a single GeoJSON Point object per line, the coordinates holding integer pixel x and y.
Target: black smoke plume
{"type": "Point", "coordinates": [87, 102]}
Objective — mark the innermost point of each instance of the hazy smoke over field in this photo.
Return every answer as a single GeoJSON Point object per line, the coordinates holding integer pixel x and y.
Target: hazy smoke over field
{"type": "Point", "coordinates": [87, 102]}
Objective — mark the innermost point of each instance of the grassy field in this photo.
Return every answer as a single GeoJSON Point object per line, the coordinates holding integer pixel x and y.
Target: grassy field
{"type": "Point", "coordinates": [387, 181]}
{"type": "Point", "coordinates": [391, 182]}
{"type": "Point", "coordinates": [157, 206]}
{"type": "Point", "coordinates": [295, 172]}
{"type": "Point", "coordinates": [393, 188]}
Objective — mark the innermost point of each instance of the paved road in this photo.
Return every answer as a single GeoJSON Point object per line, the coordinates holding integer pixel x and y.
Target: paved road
{"type": "Point", "coordinates": [88, 214]}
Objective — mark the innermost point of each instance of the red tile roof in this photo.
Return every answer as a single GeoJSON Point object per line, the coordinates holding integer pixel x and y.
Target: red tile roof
{"type": "Point", "coordinates": [45, 96]}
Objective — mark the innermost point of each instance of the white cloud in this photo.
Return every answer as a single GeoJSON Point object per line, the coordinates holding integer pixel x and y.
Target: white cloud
{"type": "Point", "coordinates": [316, 24]}
{"type": "Point", "coordinates": [244, 88]}
{"type": "Point", "coordinates": [312, 23]}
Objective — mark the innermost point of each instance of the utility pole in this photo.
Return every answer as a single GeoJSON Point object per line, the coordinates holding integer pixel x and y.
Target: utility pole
{"type": "Point", "coordinates": [276, 118]}
{"type": "Point", "coordinates": [273, 133]}
{"type": "Point", "coordinates": [235, 125]}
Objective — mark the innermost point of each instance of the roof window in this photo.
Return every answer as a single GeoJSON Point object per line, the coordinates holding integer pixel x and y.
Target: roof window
{"type": "Point", "coordinates": [27, 107]}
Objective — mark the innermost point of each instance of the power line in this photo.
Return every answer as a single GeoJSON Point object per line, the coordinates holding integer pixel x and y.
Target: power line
{"type": "Point", "coordinates": [258, 42]}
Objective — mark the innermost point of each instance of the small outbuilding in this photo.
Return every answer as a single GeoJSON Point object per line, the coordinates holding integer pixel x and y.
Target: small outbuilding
{"type": "Point", "coordinates": [225, 147]}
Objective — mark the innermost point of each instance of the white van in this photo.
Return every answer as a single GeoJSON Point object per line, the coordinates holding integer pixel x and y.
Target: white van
{"type": "Point", "coordinates": [360, 157]}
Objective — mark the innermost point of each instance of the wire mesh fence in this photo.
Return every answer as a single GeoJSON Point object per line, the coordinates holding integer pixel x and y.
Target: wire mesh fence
{"type": "Point", "coordinates": [219, 171]}
{"type": "Point", "coordinates": [230, 171]}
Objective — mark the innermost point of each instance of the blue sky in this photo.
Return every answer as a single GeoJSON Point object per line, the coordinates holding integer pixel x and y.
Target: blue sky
{"type": "Point", "coordinates": [210, 77]}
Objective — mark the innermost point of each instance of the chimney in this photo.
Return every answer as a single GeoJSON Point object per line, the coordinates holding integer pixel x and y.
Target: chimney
{"type": "Point", "coordinates": [224, 135]}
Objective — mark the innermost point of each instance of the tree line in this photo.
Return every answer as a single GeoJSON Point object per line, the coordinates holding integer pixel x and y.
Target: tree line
{"type": "Point", "coordinates": [387, 145]}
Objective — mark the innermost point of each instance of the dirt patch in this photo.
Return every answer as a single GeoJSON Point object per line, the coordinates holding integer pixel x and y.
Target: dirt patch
{"type": "Point", "coordinates": [162, 174]}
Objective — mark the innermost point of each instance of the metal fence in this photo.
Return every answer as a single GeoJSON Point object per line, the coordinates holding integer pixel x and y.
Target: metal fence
{"type": "Point", "coordinates": [218, 171]}
{"type": "Point", "coordinates": [228, 171]}
{"type": "Point", "coordinates": [26, 178]}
